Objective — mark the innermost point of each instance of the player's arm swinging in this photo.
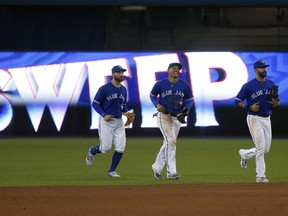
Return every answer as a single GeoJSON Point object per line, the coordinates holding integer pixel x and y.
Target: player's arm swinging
{"type": "Point", "coordinates": [160, 108]}
{"type": "Point", "coordinates": [254, 107]}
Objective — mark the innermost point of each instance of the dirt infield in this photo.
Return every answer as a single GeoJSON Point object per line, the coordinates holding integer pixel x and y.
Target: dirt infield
{"type": "Point", "coordinates": [202, 199]}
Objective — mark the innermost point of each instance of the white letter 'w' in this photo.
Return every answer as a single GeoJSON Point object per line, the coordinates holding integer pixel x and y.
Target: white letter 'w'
{"type": "Point", "coordinates": [55, 86]}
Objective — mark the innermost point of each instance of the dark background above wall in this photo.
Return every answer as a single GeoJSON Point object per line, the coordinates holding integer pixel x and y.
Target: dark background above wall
{"type": "Point", "coordinates": [153, 28]}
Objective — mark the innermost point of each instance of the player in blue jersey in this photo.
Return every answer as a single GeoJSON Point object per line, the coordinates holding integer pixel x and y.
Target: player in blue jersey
{"type": "Point", "coordinates": [170, 96]}
{"type": "Point", "coordinates": [255, 97]}
{"type": "Point", "coordinates": [110, 103]}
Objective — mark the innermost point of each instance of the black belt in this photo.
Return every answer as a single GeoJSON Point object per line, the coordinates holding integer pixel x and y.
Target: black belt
{"type": "Point", "coordinates": [169, 114]}
{"type": "Point", "coordinates": [263, 115]}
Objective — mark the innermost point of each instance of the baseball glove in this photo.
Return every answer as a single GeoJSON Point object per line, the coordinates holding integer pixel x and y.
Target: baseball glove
{"type": "Point", "coordinates": [130, 118]}
{"type": "Point", "coordinates": [181, 115]}
{"type": "Point", "coordinates": [274, 93]}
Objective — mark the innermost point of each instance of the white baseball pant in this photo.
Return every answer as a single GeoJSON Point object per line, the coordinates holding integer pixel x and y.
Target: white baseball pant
{"type": "Point", "coordinates": [111, 132]}
{"type": "Point", "coordinates": [261, 133]}
{"type": "Point", "coordinates": [170, 127]}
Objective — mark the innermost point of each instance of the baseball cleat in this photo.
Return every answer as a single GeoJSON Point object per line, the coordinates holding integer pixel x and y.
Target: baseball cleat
{"type": "Point", "coordinates": [89, 157]}
{"type": "Point", "coordinates": [113, 174]}
{"type": "Point", "coordinates": [262, 180]}
{"type": "Point", "coordinates": [243, 162]}
{"type": "Point", "coordinates": [173, 176]}
{"type": "Point", "coordinates": [157, 175]}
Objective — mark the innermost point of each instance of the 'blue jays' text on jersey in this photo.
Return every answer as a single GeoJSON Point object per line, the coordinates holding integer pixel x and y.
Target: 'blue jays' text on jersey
{"type": "Point", "coordinates": [254, 92]}
{"type": "Point", "coordinates": [110, 100]}
{"type": "Point", "coordinates": [172, 96]}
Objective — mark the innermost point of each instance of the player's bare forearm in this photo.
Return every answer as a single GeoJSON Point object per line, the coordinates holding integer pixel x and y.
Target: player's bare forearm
{"type": "Point", "coordinates": [160, 108]}
{"type": "Point", "coordinates": [241, 104]}
{"type": "Point", "coordinates": [254, 107]}
{"type": "Point", "coordinates": [108, 118]}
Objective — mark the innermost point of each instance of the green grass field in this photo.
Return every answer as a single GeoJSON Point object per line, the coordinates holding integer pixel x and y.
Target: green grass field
{"type": "Point", "coordinates": [61, 161]}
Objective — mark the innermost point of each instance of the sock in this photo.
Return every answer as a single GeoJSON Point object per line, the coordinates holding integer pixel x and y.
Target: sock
{"type": "Point", "coordinates": [95, 150]}
{"type": "Point", "coordinates": [115, 161]}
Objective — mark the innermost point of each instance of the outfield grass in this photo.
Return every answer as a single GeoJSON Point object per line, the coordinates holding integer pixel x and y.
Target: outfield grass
{"type": "Point", "coordinates": [61, 161]}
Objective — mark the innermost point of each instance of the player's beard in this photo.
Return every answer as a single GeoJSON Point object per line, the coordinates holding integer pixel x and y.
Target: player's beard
{"type": "Point", "coordinates": [262, 74]}
{"type": "Point", "coordinates": [119, 79]}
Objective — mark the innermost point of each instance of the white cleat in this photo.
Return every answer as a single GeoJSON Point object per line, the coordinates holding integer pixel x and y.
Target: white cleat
{"type": "Point", "coordinates": [89, 157]}
{"type": "Point", "coordinates": [173, 176]}
{"type": "Point", "coordinates": [113, 174]}
{"type": "Point", "coordinates": [262, 180]}
{"type": "Point", "coordinates": [243, 161]}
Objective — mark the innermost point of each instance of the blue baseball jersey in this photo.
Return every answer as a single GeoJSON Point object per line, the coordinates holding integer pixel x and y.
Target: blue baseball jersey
{"type": "Point", "coordinates": [254, 92]}
{"type": "Point", "coordinates": [110, 100]}
{"type": "Point", "coordinates": [172, 96]}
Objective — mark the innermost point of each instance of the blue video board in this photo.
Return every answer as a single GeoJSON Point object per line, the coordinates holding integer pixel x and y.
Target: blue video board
{"type": "Point", "coordinates": [59, 80]}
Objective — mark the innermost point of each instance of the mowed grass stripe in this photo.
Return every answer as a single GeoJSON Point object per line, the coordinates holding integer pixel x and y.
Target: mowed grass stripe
{"type": "Point", "coordinates": [61, 161]}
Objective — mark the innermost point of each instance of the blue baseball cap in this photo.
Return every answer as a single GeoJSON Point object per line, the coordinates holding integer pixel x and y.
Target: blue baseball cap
{"type": "Point", "coordinates": [173, 64]}
{"type": "Point", "coordinates": [118, 68]}
{"type": "Point", "coordinates": [260, 64]}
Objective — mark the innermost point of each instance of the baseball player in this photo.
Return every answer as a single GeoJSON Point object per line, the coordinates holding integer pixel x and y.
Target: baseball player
{"type": "Point", "coordinates": [110, 102]}
{"type": "Point", "coordinates": [170, 96]}
{"type": "Point", "coordinates": [256, 97]}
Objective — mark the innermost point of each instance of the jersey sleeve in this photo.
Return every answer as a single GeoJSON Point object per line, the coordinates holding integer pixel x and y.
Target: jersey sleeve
{"type": "Point", "coordinates": [241, 95]}
{"type": "Point", "coordinates": [188, 98]}
{"type": "Point", "coordinates": [153, 95]}
{"type": "Point", "coordinates": [97, 101]}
